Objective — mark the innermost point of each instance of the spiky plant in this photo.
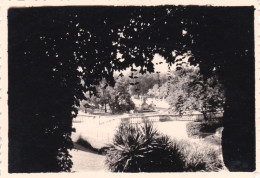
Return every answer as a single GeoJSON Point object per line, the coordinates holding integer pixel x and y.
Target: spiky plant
{"type": "Point", "coordinates": [140, 148]}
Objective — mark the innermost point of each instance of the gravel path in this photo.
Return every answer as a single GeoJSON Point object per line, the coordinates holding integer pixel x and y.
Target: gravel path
{"type": "Point", "coordinates": [174, 129]}
{"type": "Point", "coordinates": [87, 161]}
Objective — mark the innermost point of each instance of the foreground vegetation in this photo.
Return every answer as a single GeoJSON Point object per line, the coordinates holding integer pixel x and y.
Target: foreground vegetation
{"type": "Point", "coordinates": [141, 148]}
{"type": "Point", "coordinates": [203, 129]}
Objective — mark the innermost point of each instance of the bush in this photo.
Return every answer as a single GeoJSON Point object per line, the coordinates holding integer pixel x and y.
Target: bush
{"type": "Point", "coordinates": [200, 157]}
{"type": "Point", "coordinates": [164, 118]}
{"type": "Point", "coordinates": [193, 129]}
{"type": "Point", "coordinates": [202, 129]}
{"type": "Point", "coordinates": [211, 126]}
{"type": "Point", "coordinates": [140, 148]}
{"type": "Point", "coordinates": [213, 139]}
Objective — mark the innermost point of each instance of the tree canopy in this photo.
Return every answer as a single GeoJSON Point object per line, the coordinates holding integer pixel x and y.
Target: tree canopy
{"type": "Point", "coordinates": [189, 92]}
{"type": "Point", "coordinates": [118, 98]}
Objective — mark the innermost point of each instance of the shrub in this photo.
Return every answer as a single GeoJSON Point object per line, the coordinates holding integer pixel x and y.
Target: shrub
{"type": "Point", "coordinates": [200, 157]}
{"type": "Point", "coordinates": [202, 129]}
{"type": "Point", "coordinates": [211, 126]}
{"type": "Point", "coordinates": [164, 118]}
{"type": "Point", "coordinates": [193, 129]}
{"type": "Point", "coordinates": [140, 148]}
{"type": "Point", "coordinates": [213, 139]}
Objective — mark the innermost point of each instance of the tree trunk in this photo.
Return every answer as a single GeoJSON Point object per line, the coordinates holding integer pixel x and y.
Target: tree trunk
{"type": "Point", "coordinates": [205, 115]}
{"type": "Point", "coordinates": [238, 136]}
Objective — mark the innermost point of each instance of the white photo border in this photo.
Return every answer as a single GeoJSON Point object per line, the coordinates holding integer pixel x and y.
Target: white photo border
{"type": "Point", "coordinates": [6, 4]}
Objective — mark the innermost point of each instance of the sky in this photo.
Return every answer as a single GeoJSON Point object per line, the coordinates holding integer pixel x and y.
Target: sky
{"type": "Point", "coordinates": [159, 62]}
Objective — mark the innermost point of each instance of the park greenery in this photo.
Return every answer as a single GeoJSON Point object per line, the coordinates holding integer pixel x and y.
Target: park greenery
{"type": "Point", "coordinates": [187, 91]}
{"type": "Point", "coordinates": [117, 98]}
{"type": "Point", "coordinates": [61, 53]}
{"type": "Point", "coordinates": [184, 89]}
{"type": "Point", "coordinates": [203, 129]}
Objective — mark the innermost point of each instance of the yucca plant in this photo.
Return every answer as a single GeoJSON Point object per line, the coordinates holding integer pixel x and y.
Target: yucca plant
{"type": "Point", "coordinates": [140, 148]}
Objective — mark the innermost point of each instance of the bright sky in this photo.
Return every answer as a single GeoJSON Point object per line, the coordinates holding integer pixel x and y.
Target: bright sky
{"type": "Point", "coordinates": [160, 65]}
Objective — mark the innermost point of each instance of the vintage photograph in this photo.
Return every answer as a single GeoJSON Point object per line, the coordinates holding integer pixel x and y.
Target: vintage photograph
{"type": "Point", "coordinates": [130, 89]}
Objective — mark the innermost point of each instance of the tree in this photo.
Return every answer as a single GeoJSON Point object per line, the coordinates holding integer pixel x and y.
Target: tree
{"type": "Point", "coordinates": [154, 91]}
{"type": "Point", "coordinates": [103, 94]}
{"type": "Point", "coordinates": [120, 98]}
{"type": "Point", "coordinates": [232, 58]}
{"type": "Point", "coordinates": [158, 92]}
{"type": "Point", "coordinates": [190, 92]}
{"type": "Point", "coordinates": [117, 98]}
{"type": "Point", "coordinates": [145, 82]}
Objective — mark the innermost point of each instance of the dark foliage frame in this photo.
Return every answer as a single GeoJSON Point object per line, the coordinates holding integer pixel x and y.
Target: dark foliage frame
{"type": "Point", "coordinates": [46, 45]}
